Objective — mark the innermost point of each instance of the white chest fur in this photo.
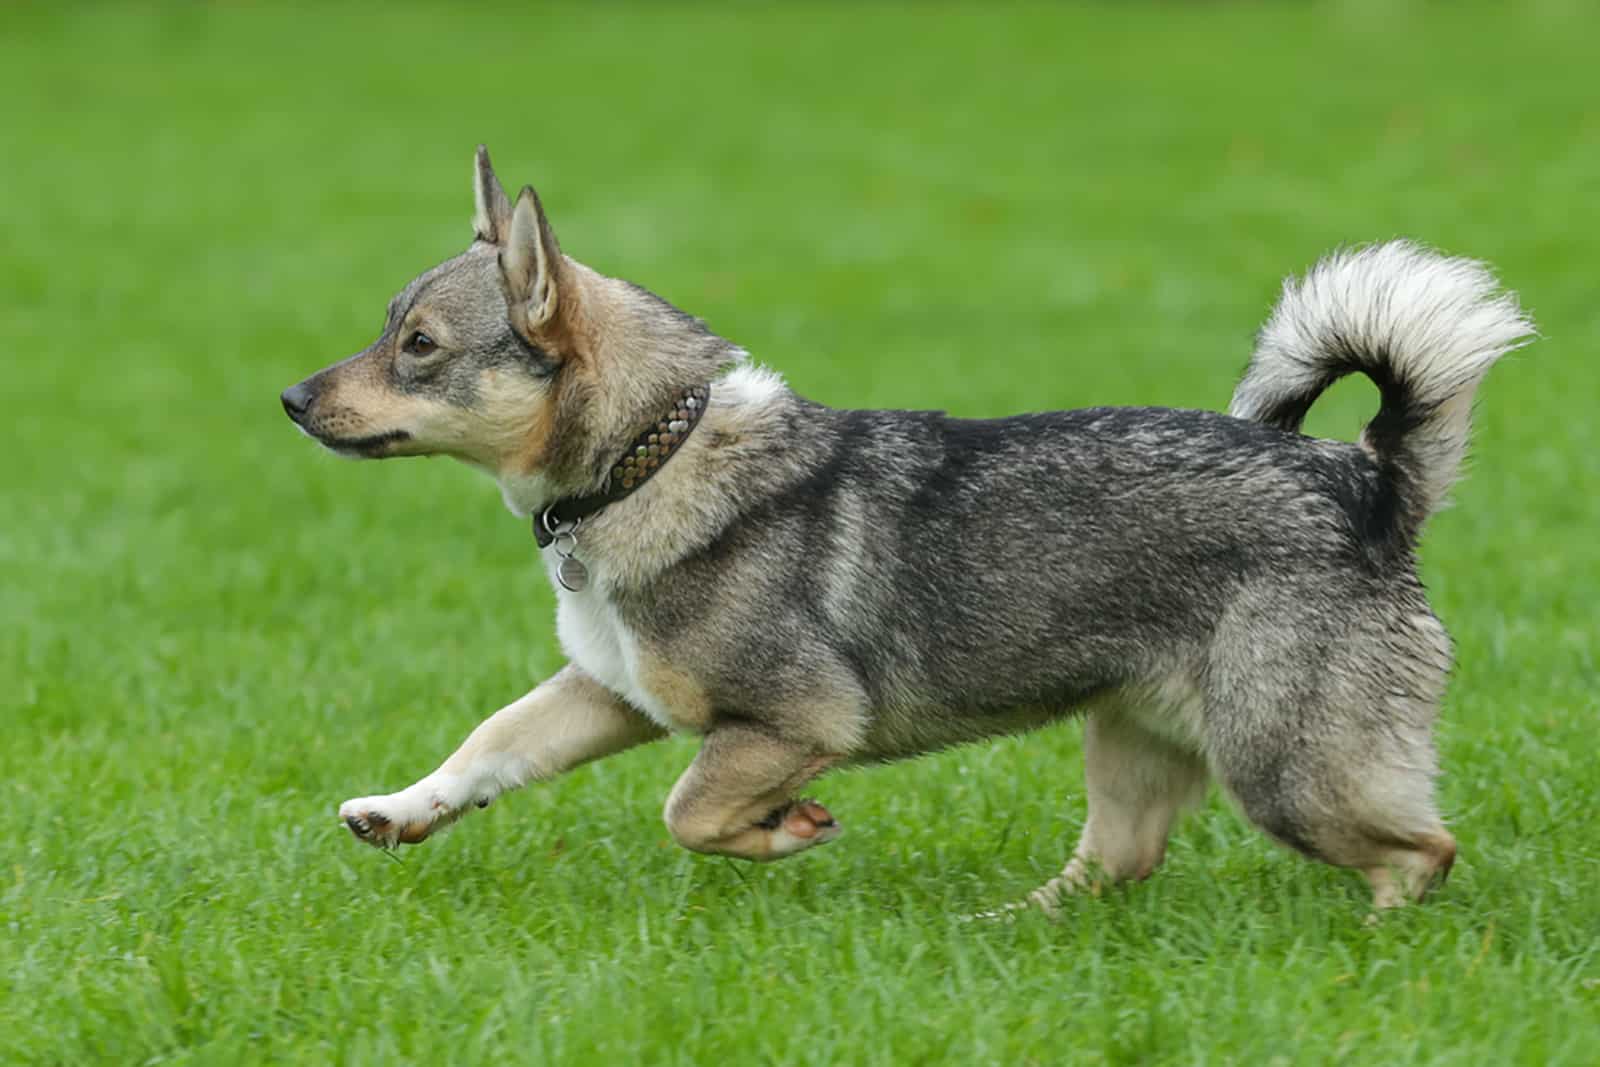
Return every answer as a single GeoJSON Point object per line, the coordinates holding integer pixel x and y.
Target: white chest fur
{"type": "Point", "coordinates": [596, 639]}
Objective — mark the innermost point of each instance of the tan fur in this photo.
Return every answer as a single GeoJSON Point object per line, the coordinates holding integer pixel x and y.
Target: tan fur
{"type": "Point", "coordinates": [1405, 874]}
{"type": "Point", "coordinates": [526, 447]}
{"type": "Point", "coordinates": [743, 775]}
{"type": "Point", "coordinates": [567, 721]}
{"type": "Point", "coordinates": [1138, 784]}
{"type": "Point", "coordinates": [685, 698]}
{"type": "Point", "coordinates": [533, 265]}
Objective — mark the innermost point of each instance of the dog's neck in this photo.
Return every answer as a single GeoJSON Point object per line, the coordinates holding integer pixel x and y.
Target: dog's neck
{"type": "Point", "coordinates": [740, 453]}
{"type": "Point", "coordinates": [526, 494]}
{"type": "Point", "coordinates": [632, 464]}
{"type": "Point", "coordinates": [535, 495]}
{"type": "Point", "coordinates": [649, 452]}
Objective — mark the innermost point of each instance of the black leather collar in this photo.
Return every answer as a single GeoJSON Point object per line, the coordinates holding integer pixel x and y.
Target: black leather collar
{"type": "Point", "coordinates": [647, 455]}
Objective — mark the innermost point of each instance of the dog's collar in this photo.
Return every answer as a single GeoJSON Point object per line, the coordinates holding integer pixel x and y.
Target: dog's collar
{"type": "Point", "coordinates": [647, 455]}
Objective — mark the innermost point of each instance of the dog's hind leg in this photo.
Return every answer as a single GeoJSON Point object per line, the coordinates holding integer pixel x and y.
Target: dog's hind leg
{"type": "Point", "coordinates": [1342, 768]}
{"type": "Point", "coordinates": [568, 720]}
{"type": "Point", "coordinates": [738, 796]}
{"type": "Point", "coordinates": [1319, 722]}
{"type": "Point", "coordinates": [1366, 805]}
{"type": "Point", "coordinates": [1138, 782]}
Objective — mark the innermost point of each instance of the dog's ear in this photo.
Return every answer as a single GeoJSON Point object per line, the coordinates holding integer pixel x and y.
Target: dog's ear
{"type": "Point", "coordinates": [493, 213]}
{"type": "Point", "coordinates": [532, 264]}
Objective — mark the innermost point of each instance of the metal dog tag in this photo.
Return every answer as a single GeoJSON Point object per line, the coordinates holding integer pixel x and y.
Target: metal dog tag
{"type": "Point", "coordinates": [572, 574]}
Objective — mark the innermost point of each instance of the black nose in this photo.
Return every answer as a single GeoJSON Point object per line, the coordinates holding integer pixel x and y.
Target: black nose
{"type": "Point", "coordinates": [296, 399]}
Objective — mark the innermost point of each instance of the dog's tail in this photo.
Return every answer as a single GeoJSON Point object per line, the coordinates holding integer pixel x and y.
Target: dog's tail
{"type": "Point", "coordinates": [1424, 327]}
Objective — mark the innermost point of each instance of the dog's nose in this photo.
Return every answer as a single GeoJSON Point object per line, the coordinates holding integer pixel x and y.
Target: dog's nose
{"type": "Point", "coordinates": [296, 400]}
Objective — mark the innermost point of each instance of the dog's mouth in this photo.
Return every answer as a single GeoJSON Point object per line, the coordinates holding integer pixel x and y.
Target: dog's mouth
{"type": "Point", "coordinates": [374, 446]}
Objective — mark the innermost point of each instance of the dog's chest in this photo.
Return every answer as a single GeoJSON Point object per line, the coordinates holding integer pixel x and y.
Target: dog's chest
{"type": "Point", "coordinates": [594, 637]}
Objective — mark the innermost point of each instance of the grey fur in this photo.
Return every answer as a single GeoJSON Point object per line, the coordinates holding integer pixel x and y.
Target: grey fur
{"type": "Point", "coordinates": [807, 586]}
{"type": "Point", "coordinates": [1425, 328]}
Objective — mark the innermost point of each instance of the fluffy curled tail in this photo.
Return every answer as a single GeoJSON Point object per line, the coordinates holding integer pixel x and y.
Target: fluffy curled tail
{"type": "Point", "coordinates": [1424, 327]}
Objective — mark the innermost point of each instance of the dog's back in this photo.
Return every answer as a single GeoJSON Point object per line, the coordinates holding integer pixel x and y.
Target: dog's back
{"type": "Point", "coordinates": [967, 568]}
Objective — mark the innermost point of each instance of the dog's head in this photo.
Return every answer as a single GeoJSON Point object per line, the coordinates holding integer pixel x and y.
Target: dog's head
{"type": "Point", "coordinates": [511, 357]}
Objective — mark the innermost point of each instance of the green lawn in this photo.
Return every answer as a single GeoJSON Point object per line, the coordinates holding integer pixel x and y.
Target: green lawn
{"type": "Point", "coordinates": [211, 632]}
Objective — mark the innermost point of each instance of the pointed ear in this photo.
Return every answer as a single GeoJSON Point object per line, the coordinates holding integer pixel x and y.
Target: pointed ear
{"type": "Point", "coordinates": [531, 262]}
{"type": "Point", "coordinates": [493, 213]}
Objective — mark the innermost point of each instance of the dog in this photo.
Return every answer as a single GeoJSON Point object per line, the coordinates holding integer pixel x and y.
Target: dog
{"type": "Point", "coordinates": [1218, 596]}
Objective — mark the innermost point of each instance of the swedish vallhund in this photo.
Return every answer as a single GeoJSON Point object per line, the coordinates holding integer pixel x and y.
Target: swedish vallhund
{"type": "Point", "coordinates": [804, 587]}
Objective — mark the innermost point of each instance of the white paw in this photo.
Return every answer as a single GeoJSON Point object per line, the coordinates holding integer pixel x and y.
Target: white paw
{"type": "Point", "coordinates": [404, 818]}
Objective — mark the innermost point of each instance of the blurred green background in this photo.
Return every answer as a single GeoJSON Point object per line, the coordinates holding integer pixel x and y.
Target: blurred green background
{"type": "Point", "coordinates": [211, 632]}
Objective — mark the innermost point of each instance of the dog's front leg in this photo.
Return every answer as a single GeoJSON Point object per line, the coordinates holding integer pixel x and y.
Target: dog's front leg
{"type": "Point", "coordinates": [738, 796]}
{"type": "Point", "coordinates": [568, 720]}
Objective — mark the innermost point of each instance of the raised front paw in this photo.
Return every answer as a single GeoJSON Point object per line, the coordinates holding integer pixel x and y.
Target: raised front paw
{"type": "Point", "coordinates": [404, 818]}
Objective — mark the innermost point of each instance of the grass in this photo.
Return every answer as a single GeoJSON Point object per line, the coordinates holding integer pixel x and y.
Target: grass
{"type": "Point", "coordinates": [210, 633]}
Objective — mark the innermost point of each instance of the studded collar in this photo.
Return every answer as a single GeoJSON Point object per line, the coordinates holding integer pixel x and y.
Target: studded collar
{"type": "Point", "coordinates": [647, 455]}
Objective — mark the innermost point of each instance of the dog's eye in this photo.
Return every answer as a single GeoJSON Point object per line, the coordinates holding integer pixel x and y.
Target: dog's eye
{"type": "Point", "coordinates": [421, 344]}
